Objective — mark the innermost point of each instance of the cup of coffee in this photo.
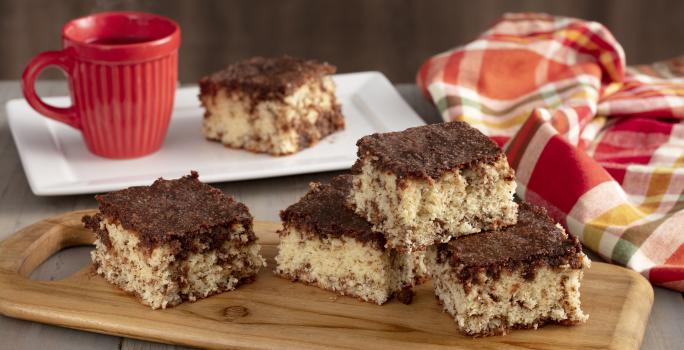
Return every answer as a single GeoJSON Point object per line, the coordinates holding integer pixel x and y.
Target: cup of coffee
{"type": "Point", "coordinates": [122, 69]}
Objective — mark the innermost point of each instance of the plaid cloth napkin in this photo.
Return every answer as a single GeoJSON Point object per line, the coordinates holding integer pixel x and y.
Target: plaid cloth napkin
{"type": "Point", "coordinates": [599, 144]}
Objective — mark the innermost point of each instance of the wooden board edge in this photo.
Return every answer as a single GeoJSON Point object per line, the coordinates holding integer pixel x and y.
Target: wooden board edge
{"type": "Point", "coordinates": [70, 321]}
{"type": "Point", "coordinates": [634, 319]}
{"type": "Point", "coordinates": [11, 306]}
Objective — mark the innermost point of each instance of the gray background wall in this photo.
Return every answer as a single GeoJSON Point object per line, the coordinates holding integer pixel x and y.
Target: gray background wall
{"type": "Point", "coordinates": [391, 36]}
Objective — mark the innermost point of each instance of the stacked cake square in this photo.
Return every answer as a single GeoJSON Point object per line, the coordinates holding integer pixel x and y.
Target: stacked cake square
{"type": "Point", "coordinates": [436, 202]}
{"type": "Point", "coordinates": [324, 243]}
{"type": "Point", "coordinates": [432, 183]}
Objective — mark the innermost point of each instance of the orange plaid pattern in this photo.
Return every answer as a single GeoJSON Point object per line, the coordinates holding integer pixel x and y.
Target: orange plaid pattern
{"type": "Point", "coordinates": [599, 144]}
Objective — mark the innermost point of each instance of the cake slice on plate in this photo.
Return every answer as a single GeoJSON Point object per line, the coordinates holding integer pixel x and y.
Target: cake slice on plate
{"type": "Point", "coordinates": [277, 105]}
{"type": "Point", "coordinates": [173, 241]}
{"type": "Point", "coordinates": [324, 243]}
{"type": "Point", "coordinates": [521, 276]}
{"type": "Point", "coordinates": [432, 183]}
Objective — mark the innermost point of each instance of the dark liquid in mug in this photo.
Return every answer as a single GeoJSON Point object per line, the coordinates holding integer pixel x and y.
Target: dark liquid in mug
{"type": "Point", "coordinates": [124, 40]}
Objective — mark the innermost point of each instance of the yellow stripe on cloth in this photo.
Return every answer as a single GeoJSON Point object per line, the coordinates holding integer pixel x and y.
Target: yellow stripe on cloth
{"type": "Point", "coordinates": [621, 215]}
{"type": "Point", "coordinates": [507, 123]}
{"type": "Point", "coordinates": [609, 63]}
{"type": "Point", "coordinates": [499, 124]}
{"type": "Point", "coordinates": [626, 214]}
{"type": "Point", "coordinates": [611, 89]}
{"type": "Point", "coordinates": [659, 182]}
{"type": "Point", "coordinates": [679, 160]}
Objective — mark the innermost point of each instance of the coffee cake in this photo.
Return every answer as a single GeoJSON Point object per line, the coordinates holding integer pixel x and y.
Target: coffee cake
{"type": "Point", "coordinates": [432, 183]}
{"type": "Point", "coordinates": [173, 241]}
{"type": "Point", "coordinates": [271, 105]}
{"type": "Point", "coordinates": [521, 276]}
{"type": "Point", "coordinates": [324, 243]}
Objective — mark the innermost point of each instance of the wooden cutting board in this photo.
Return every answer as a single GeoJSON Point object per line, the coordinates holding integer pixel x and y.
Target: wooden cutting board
{"type": "Point", "coordinates": [276, 313]}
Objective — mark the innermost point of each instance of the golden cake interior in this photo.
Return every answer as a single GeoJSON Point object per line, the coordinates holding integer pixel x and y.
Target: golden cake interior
{"type": "Point", "coordinates": [159, 279]}
{"type": "Point", "coordinates": [275, 126]}
{"type": "Point", "coordinates": [415, 213]}
{"type": "Point", "coordinates": [346, 266]}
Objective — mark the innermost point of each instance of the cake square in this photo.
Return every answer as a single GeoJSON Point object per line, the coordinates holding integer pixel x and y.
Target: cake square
{"type": "Point", "coordinates": [431, 183]}
{"type": "Point", "coordinates": [521, 276]}
{"type": "Point", "coordinates": [277, 105]}
{"type": "Point", "coordinates": [325, 244]}
{"type": "Point", "coordinates": [173, 241]}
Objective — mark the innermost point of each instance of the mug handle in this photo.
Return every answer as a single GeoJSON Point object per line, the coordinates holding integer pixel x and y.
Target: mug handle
{"type": "Point", "coordinates": [28, 81]}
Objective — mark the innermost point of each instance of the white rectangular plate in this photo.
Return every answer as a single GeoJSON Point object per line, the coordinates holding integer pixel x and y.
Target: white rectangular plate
{"type": "Point", "coordinates": [56, 161]}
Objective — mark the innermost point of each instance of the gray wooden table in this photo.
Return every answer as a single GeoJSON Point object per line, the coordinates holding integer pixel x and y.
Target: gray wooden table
{"type": "Point", "coordinates": [19, 208]}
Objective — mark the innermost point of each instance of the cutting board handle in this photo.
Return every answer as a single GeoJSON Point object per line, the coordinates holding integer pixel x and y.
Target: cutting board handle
{"type": "Point", "coordinates": [24, 251]}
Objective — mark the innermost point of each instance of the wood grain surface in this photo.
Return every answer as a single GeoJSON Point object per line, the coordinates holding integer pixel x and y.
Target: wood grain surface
{"type": "Point", "coordinates": [356, 35]}
{"type": "Point", "coordinates": [265, 197]}
{"type": "Point", "coordinates": [276, 313]}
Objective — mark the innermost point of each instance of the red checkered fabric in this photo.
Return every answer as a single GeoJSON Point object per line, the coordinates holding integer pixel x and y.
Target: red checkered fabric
{"type": "Point", "coordinates": [599, 144]}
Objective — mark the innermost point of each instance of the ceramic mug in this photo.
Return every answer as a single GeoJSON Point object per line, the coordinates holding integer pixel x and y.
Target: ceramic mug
{"type": "Point", "coordinates": [122, 69]}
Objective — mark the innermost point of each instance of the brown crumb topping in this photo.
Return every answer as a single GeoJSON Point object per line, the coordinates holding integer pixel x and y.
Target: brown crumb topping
{"type": "Point", "coordinates": [533, 242]}
{"type": "Point", "coordinates": [427, 151]}
{"type": "Point", "coordinates": [265, 78]}
{"type": "Point", "coordinates": [180, 211]}
{"type": "Point", "coordinates": [323, 212]}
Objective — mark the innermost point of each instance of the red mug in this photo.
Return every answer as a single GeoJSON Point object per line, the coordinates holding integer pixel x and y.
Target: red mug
{"type": "Point", "coordinates": [122, 69]}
